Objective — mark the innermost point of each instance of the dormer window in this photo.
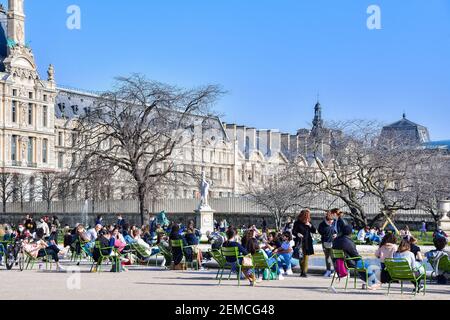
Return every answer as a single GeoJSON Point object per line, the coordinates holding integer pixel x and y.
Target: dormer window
{"type": "Point", "coordinates": [75, 109]}
{"type": "Point", "coordinates": [45, 98]}
{"type": "Point", "coordinates": [14, 92]}
{"type": "Point", "coordinates": [30, 95]}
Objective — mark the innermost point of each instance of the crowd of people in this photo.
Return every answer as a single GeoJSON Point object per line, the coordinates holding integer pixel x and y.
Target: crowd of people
{"type": "Point", "coordinates": [283, 249]}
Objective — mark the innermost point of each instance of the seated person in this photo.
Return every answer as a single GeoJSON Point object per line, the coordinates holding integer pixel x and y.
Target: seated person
{"type": "Point", "coordinates": [285, 252]}
{"type": "Point", "coordinates": [177, 254]}
{"type": "Point", "coordinates": [162, 240]}
{"type": "Point", "coordinates": [40, 249]}
{"type": "Point", "coordinates": [415, 249]}
{"type": "Point", "coordinates": [271, 244]}
{"type": "Point", "coordinates": [106, 242]}
{"type": "Point", "coordinates": [388, 247]}
{"type": "Point", "coordinates": [361, 237]}
{"type": "Point", "coordinates": [231, 242]}
{"type": "Point", "coordinates": [193, 240]}
{"type": "Point", "coordinates": [149, 250]}
{"type": "Point", "coordinates": [344, 242]}
{"type": "Point", "coordinates": [119, 241]}
{"type": "Point", "coordinates": [53, 242]}
{"type": "Point", "coordinates": [93, 232]}
{"type": "Point", "coordinates": [373, 237]}
{"type": "Point", "coordinates": [404, 253]}
{"type": "Point", "coordinates": [215, 239]}
{"type": "Point", "coordinates": [433, 258]}
{"type": "Point", "coordinates": [439, 234]}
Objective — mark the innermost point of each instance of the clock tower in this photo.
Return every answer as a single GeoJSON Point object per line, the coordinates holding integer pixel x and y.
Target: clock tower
{"type": "Point", "coordinates": [16, 22]}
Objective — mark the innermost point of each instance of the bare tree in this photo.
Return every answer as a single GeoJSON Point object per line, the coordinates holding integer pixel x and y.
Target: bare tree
{"type": "Point", "coordinates": [137, 127]}
{"type": "Point", "coordinates": [6, 188]}
{"type": "Point", "coordinates": [281, 193]}
{"type": "Point", "coordinates": [359, 168]}
{"type": "Point", "coordinates": [21, 189]}
{"type": "Point", "coordinates": [338, 173]}
{"type": "Point", "coordinates": [433, 184]}
{"type": "Point", "coordinates": [53, 186]}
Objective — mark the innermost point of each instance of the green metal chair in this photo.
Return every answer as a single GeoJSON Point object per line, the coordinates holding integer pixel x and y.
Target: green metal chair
{"type": "Point", "coordinates": [232, 252]}
{"type": "Point", "coordinates": [141, 253]}
{"type": "Point", "coordinates": [221, 261]}
{"type": "Point", "coordinates": [103, 257]}
{"type": "Point", "coordinates": [30, 261]}
{"type": "Point", "coordinates": [442, 264]}
{"type": "Point", "coordinates": [339, 254]}
{"type": "Point", "coordinates": [261, 263]}
{"type": "Point", "coordinates": [179, 244]}
{"type": "Point", "coordinates": [84, 252]}
{"type": "Point", "coordinates": [163, 252]}
{"type": "Point", "coordinates": [400, 270]}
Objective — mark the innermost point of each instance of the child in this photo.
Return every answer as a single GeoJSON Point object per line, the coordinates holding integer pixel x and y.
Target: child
{"type": "Point", "coordinates": [285, 253]}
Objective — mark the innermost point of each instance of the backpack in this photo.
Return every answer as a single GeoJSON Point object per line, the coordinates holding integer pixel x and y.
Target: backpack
{"type": "Point", "coordinates": [341, 270]}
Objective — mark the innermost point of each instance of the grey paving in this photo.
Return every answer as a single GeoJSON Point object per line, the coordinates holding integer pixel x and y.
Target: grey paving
{"type": "Point", "coordinates": [153, 283]}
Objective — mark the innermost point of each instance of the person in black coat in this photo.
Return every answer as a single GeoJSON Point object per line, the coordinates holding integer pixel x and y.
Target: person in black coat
{"type": "Point", "coordinates": [177, 254]}
{"type": "Point", "coordinates": [346, 244]}
{"type": "Point", "coordinates": [303, 231]}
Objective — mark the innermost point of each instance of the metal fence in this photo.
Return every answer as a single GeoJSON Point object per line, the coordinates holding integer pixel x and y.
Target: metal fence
{"type": "Point", "coordinates": [236, 205]}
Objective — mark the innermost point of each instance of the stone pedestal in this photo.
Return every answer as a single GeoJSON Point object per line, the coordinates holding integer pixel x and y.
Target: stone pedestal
{"type": "Point", "coordinates": [206, 217]}
{"type": "Point", "coordinates": [444, 208]}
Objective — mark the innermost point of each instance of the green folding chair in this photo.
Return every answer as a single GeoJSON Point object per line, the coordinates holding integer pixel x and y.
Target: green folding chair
{"type": "Point", "coordinates": [442, 264]}
{"type": "Point", "coordinates": [339, 254]}
{"type": "Point", "coordinates": [166, 254]}
{"type": "Point", "coordinates": [105, 257]}
{"type": "Point", "coordinates": [232, 252]}
{"type": "Point", "coordinates": [141, 253]}
{"type": "Point", "coordinates": [30, 261]}
{"type": "Point", "coordinates": [179, 244]}
{"type": "Point", "coordinates": [400, 270]}
{"type": "Point", "coordinates": [221, 261]}
{"type": "Point", "coordinates": [261, 263]}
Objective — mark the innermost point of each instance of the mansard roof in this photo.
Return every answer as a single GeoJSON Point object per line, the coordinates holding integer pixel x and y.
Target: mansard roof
{"type": "Point", "coordinates": [405, 123]}
{"type": "Point", "coordinates": [73, 103]}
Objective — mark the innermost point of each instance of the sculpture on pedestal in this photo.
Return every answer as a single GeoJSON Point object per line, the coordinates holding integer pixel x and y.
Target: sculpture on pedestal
{"type": "Point", "coordinates": [204, 192]}
{"type": "Point", "coordinates": [204, 211]}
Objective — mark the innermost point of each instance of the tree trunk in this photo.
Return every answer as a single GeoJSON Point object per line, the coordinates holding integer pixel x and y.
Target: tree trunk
{"type": "Point", "coordinates": [142, 206]}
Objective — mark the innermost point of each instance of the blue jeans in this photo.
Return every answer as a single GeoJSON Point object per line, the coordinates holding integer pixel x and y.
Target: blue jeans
{"type": "Point", "coordinates": [374, 238]}
{"type": "Point", "coordinates": [285, 259]}
{"type": "Point", "coordinates": [271, 261]}
{"type": "Point", "coordinates": [372, 277]}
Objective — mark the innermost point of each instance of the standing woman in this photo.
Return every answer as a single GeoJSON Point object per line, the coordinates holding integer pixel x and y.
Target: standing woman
{"type": "Point", "coordinates": [303, 230]}
{"type": "Point", "coordinates": [340, 222]}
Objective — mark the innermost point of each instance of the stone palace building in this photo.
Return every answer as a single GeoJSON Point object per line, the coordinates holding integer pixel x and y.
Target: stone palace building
{"type": "Point", "coordinates": [36, 135]}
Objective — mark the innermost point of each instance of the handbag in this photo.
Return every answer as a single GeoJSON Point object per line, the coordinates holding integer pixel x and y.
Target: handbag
{"type": "Point", "coordinates": [298, 250]}
{"type": "Point", "coordinates": [247, 261]}
{"type": "Point", "coordinates": [328, 245]}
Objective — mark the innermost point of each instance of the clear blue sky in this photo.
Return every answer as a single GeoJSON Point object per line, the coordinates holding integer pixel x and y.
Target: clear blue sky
{"type": "Point", "coordinates": [272, 57]}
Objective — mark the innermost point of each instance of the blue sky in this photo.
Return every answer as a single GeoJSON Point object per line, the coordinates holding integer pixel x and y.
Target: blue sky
{"type": "Point", "coordinates": [272, 57]}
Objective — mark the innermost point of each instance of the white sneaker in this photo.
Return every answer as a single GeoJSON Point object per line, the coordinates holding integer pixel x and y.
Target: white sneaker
{"type": "Point", "coordinates": [280, 277]}
{"type": "Point", "coordinates": [60, 269]}
{"type": "Point", "coordinates": [289, 272]}
{"type": "Point", "coordinates": [327, 274]}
